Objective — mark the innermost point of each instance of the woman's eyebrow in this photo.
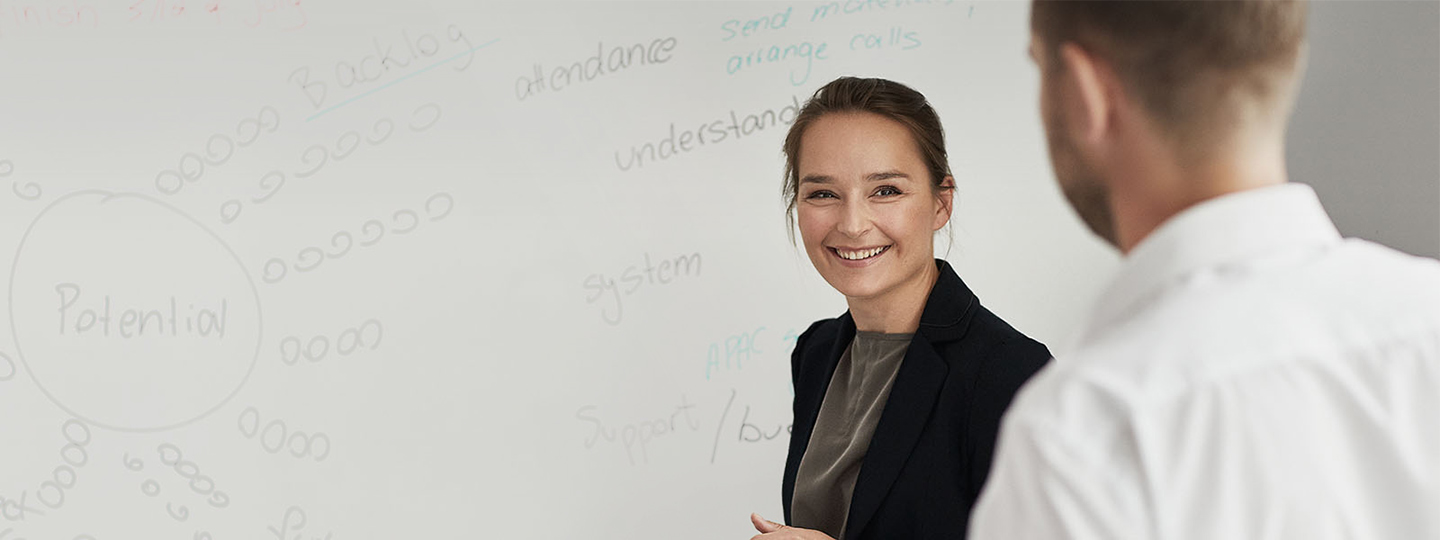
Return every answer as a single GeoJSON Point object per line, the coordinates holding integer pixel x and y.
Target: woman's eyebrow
{"type": "Point", "coordinates": [872, 177]}
{"type": "Point", "coordinates": [882, 176]}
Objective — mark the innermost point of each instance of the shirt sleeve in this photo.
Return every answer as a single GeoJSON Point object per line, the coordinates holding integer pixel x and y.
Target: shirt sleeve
{"type": "Point", "coordinates": [1047, 485]}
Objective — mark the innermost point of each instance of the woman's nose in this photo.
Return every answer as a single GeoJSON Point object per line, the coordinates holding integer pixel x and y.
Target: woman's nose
{"type": "Point", "coordinates": [854, 218]}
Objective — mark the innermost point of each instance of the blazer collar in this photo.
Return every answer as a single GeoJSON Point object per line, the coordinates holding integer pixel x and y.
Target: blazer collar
{"type": "Point", "coordinates": [944, 319]}
{"type": "Point", "coordinates": [948, 307]}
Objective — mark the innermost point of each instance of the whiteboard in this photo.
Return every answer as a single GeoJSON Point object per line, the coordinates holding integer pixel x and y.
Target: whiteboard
{"type": "Point", "coordinates": [317, 269]}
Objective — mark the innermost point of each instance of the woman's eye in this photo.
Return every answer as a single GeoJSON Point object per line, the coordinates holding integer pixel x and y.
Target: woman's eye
{"type": "Point", "coordinates": [820, 195]}
{"type": "Point", "coordinates": [887, 191]}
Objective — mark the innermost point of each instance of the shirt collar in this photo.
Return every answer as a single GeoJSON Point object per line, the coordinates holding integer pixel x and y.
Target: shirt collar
{"type": "Point", "coordinates": [1225, 230]}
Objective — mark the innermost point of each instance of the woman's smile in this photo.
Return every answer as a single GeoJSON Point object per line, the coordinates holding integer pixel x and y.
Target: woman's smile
{"type": "Point", "coordinates": [857, 257]}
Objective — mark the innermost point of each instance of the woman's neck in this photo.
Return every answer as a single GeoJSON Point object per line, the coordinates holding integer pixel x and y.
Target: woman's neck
{"type": "Point", "coordinates": [897, 310]}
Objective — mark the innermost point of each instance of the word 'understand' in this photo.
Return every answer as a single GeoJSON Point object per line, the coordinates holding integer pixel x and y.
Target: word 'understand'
{"type": "Point", "coordinates": [714, 132]}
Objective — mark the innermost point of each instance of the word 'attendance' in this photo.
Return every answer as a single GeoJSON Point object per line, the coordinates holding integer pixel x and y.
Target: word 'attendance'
{"type": "Point", "coordinates": [613, 59]}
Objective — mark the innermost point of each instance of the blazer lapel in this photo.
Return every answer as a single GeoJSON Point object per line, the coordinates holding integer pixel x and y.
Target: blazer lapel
{"type": "Point", "coordinates": [907, 411]}
{"type": "Point", "coordinates": [808, 398]}
{"type": "Point", "coordinates": [832, 360]}
{"type": "Point", "coordinates": [912, 397]}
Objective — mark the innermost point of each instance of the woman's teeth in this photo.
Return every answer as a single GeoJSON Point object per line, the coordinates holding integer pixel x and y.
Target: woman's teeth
{"type": "Point", "coordinates": [858, 255]}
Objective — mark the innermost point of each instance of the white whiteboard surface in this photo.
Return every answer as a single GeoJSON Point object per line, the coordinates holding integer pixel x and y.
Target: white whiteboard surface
{"type": "Point", "coordinates": [331, 270]}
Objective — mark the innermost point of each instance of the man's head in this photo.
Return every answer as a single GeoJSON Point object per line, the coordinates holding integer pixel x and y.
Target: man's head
{"type": "Point", "coordinates": [1179, 84]}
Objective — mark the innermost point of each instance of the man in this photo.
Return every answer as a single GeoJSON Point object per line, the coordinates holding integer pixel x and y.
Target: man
{"type": "Point", "coordinates": [1248, 374]}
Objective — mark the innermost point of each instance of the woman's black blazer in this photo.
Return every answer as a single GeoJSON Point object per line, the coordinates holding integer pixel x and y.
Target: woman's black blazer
{"type": "Point", "coordinates": [932, 448]}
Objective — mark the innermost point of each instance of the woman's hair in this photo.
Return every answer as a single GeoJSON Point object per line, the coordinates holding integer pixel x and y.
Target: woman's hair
{"type": "Point", "coordinates": [886, 98]}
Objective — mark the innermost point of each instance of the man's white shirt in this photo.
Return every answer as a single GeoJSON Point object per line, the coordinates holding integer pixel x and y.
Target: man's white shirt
{"type": "Point", "coordinates": [1248, 374]}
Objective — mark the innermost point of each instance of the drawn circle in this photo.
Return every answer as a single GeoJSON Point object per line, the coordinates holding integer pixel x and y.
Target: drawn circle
{"type": "Point", "coordinates": [199, 167]}
{"type": "Point", "coordinates": [324, 344]}
{"type": "Point", "coordinates": [271, 264]}
{"type": "Point", "coordinates": [344, 350]}
{"type": "Point", "coordinates": [97, 244]}
{"type": "Point", "coordinates": [67, 470]}
{"type": "Point", "coordinates": [65, 430]}
{"type": "Point", "coordinates": [254, 425]}
{"type": "Point", "coordinates": [84, 456]}
{"type": "Point", "coordinates": [290, 359]}
{"type": "Point", "coordinates": [230, 211]}
{"type": "Point", "coordinates": [166, 187]}
{"type": "Point", "coordinates": [265, 436]}
{"type": "Point", "coordinates": [202, 480]}
{"type": "Point", "coordinates": [304, 441]}
{"type": "Point", "coordinates": [209, 149]}
{"type": "Point", "coordinates": [182, 515]}
{"type": "Point", "coordinates": [59, 494]}
{"type": "Point", "coordinates": [320, 437]}
{"type": "Point", "coordinates": [187, 469]}
{"type": "Point", "coordinates": [379, 332]}
{"type": "Point", "coordinates": [166, 450]}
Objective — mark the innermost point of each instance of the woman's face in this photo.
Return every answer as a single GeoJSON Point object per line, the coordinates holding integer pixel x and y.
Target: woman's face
{"type": "Point", "coordinates": [866, 208]}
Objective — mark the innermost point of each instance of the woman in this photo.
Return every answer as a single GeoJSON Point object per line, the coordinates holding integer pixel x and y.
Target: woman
{"type": "Point", "coordinates": [898, 400]}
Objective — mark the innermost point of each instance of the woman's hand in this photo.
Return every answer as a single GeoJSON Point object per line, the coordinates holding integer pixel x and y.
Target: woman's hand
{"type": "Point", "coordinates": [769, 530]}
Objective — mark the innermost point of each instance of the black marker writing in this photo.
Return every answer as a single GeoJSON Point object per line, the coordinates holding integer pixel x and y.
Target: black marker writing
{"type": "Point", "coordinates": [402, 221]}
{"type": "Point", "coordinates": [599, 286]}
{"type": "Point", "coordinates": [636, 435]}
{"type": "Point", "coordinates": [613, 59]}
{"type": "Point", "coordinates": [29, 191]}
{"type": "Point", "coordinates": [713, 132]}
{"type": "Point", "coordinates": [368, 335]}
{"type": "Point", "coordinates": [162, 318]}
{"type": "Point", "coordinates": [218, 150]}
{"type": "Point", "coordinates": [297, 443]}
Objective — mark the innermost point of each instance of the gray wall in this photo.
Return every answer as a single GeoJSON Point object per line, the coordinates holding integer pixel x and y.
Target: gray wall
{"type": "Point", "coordinates": [1366, 130]}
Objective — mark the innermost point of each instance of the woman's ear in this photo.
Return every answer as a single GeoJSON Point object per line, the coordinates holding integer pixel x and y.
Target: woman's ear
{"type": "Point", "coordinates": [944, 202]}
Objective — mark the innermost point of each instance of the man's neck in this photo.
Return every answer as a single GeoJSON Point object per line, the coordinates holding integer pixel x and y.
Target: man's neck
{"type": "Point", "coordinates": [1149, 191]}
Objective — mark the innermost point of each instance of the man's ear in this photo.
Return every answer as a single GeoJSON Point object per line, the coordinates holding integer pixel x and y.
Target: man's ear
{"type": "Point", "coordinates": [946, 199]}
{"type": "Point", "coordinates": [1087, 98]}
